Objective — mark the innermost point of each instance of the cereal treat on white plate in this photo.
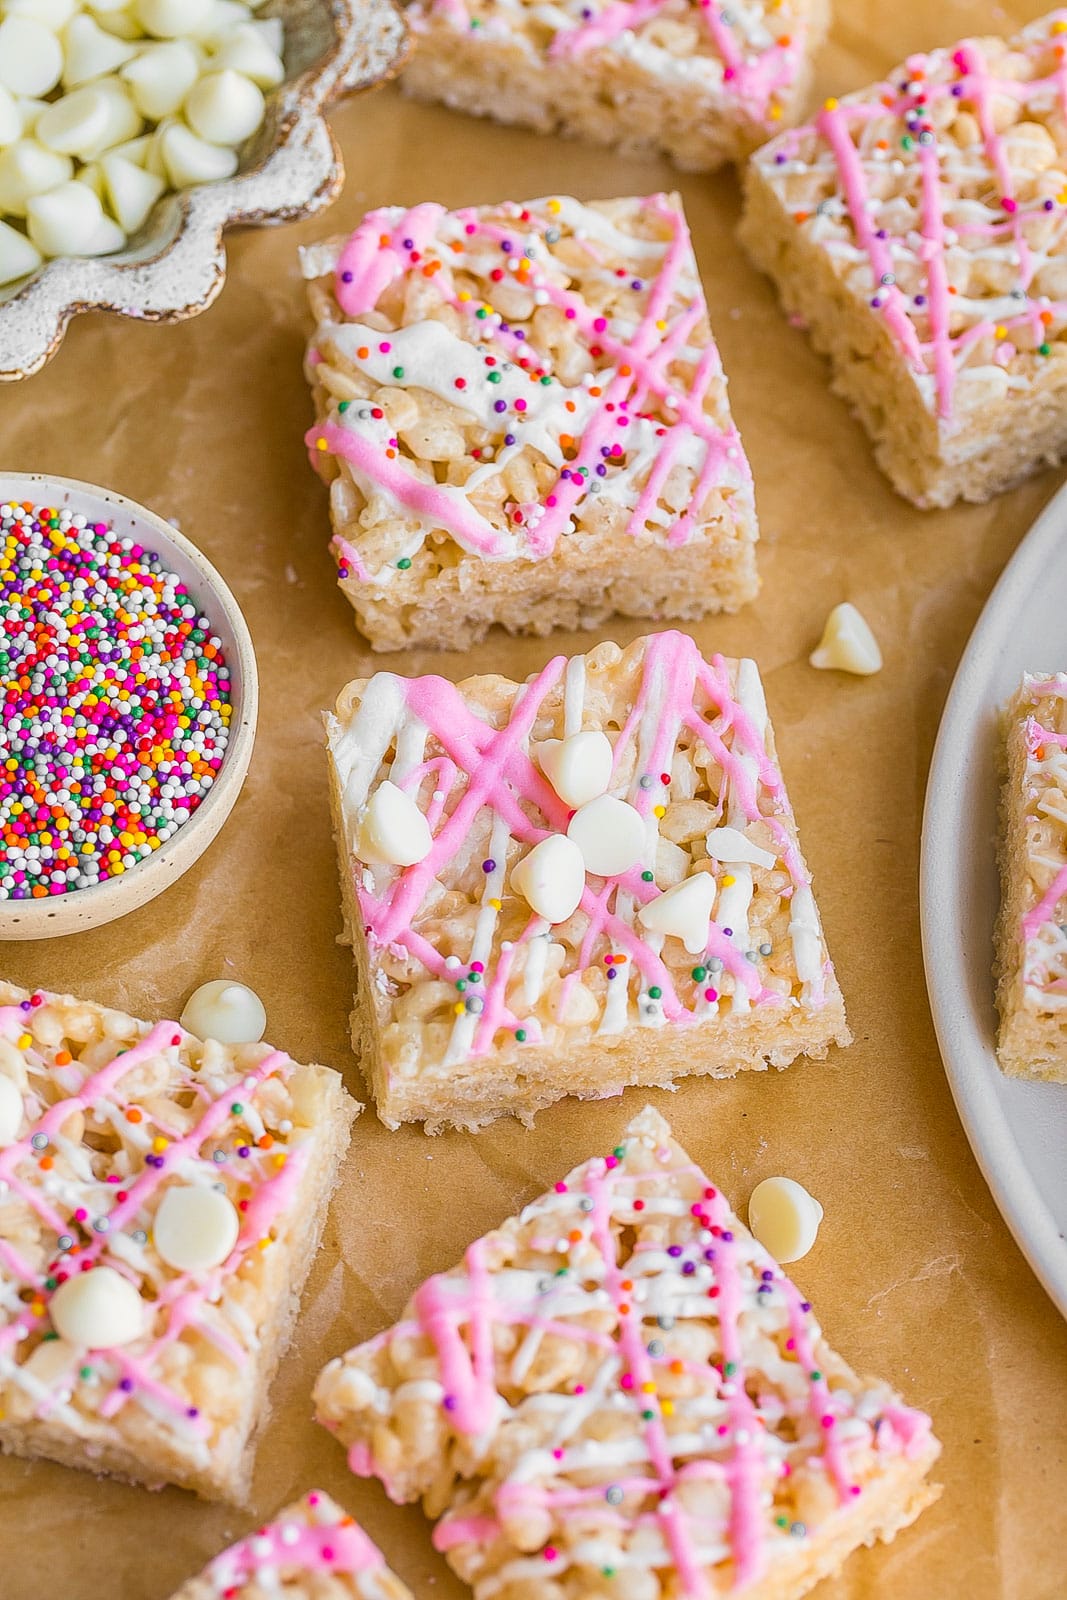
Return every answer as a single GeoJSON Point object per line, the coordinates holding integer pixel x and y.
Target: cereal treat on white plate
{"type": "Point", "coordinates": [1032, 930]}
{"type": "Point", "coordinates": [523, 419]}
{"type": "Point", "coordinates": [565, 886]}
{"type": "Point", "coordinates": [702, 83]}
{"type": "Point", "coordinates": [620, 1392]}
{"type": "Point", "coordinates": [161, 1199]}
{"type": "Point", "coordinates": [311, 1551]}
{"type": "Point", "coordinates": [919, 229]}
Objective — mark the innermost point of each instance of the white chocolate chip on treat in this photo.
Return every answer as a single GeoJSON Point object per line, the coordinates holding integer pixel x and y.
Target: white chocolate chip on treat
{"type": "Point", "coordinates": [579, 767]}
{"type": "Point", "coordinates": [11, 1107]}
{"type": "Point", "coordinates": [610, 833]}
{"type": "Point", "coordinates": [131, 191]}
{"type": "Point", "coordinates": [730, 844]}
{"type": "Point", "coordinates": [847, 643]}
{"type": "Point", "coordinates": [191, 160]}
{"type": "Point", "coordinates": [65, 221]}
{"type": "Point", "coordinates": [18, 255]}
{"type": "Point", "coordinates": [91, 53]}
{"type": "Point", "coordinates": [98, 1310]}
{"type": "Point", "coordinates": [51, 1359]}
{"type": "Point", "coordinates": [161, 77]}
{"type": "Point", "coordinates": [225, 107]}
{"type": "Point", "coordinates": [684, 912]}
{"type": "Point", "coordinates": [195, 1228]}
{"type": "Point", "coordinates": [393, 831]}
{"type": "Point", "coordinates": [28, 169]}
{"type": "Point", "coordinates": [172, 19]}
{"type": "Point", "coordinates": [784, 1217]}
{"type": "Point", "coordinates": [229, 1012]}
{"type": "Point", "coordinates": [551, 879]}
{"type": "Point", "coordinates": [31, 57]}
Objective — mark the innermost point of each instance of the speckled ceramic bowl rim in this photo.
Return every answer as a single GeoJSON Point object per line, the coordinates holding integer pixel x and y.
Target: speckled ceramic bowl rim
{"type": "Point", "coordinates": [180, 271]}
{"type": "Point", "coordinates": [81, 909]}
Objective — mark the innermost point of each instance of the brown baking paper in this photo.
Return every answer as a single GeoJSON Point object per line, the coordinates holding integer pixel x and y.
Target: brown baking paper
{"type": "Point", "coordinates": [914, 1275]}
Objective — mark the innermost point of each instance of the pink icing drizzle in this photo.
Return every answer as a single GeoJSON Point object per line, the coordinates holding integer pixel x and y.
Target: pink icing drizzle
{"type": "Point", "coordinates": [340, 1547]}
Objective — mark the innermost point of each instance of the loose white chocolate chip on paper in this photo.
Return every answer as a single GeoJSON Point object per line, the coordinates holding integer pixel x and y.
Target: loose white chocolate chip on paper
{"type": "Point", "coordinates": [195, 1229]}
{"type": "Point", "coordinates": [847, 643]}
{"type": "Point", "coordinates": [393, 831]}
{"type": "Point", "coordinates": [610, 833]}
{"type": "Point", "coordinates": [83, 81]}
{"type": "Point", "coordinates": [551, 878]}
{"type": "Point", "coordinates": [579, 767]}
{"type": "Point", "coordinates": [97, 1310]}
{"type": "Point", "coordinates": [229, 1012]}
{"type": "Point", "coordinates": [784, 1217]}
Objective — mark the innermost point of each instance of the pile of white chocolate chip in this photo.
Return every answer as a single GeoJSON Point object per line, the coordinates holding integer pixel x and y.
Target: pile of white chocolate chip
{"type": "Point", "coordinates": [105, 105]}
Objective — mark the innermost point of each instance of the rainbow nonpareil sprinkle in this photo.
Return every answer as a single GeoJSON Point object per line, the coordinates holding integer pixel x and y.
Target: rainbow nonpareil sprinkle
{"type": "Point", "coordinates": [116, 699]}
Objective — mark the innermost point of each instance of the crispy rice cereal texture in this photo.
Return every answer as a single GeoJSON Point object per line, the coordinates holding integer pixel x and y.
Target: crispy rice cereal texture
{"type": "Point", "coordinates": [620, 1394]}
{"type": "Point", "coordinates": [117, 1120]}
{"type": "Point", "coordinates": [523, 419]}
{"type": "Point", "coordinates": [919, 229]}
{"type": "Point", "coordinates": [311, 1551]}
{"type": "Point", "coordinates": [1032, 931]}
{"type": "Point", "coordinates": [701, 83]}
{"type": "Point", "coordinates": [470, 1004]}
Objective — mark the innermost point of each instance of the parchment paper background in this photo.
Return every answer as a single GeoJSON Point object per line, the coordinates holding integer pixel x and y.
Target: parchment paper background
{"type": "Point", "coordinates": [914, 1275]}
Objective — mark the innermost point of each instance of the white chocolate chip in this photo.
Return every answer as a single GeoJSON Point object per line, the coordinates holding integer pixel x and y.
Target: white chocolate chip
{"type": "Point", "coordinates": [161, 77]}
{"type": "Point", "coordinates": [54, 14]}
{"type": "Point", "coordinates": [31, 57]}
{"type": "Point", "coordinates": [172, 19]}
{"type": "Point", "coordinates": [551, 879]}
{"type": "Point", "coordinates": [684, 912]}
{"type": "Point", "coordinates": [246, 50]}
{"type": "Point", "coordinates": [730, 844]}
{"type": "Point", "coordinates": [847, 643]}
{"type": "Point", "coordinates": [89, 52]}
{"type": "Point", "coordinates": [195, 1228]}
{"type": "Point", "coordinates": [51, 1360]}
{"type": "Point", "coordinates": [79, 123]}
{"type": "Point", "coordinates": [131, 191]}
{"type": "Point", "coordinates": [66, 221]}
{"type": "Point", "coordinates": [784, 1217]}
{"type": "Point", "coordinates": [191, 160]}
{"type": "Point", "coordinates": [18, 255]}
{"type": "Point", "coordinates": [98, 1310]}
{"type": "Point", "coordinates": [11, 1107]}
{"type": "Point", "coordinates": [579, 767]}
{"type": "Point", "coordinates": [27, 169]}
{"type": "Point", "coordinates": [393, 830]}
{"type": "Point", "coordinates": [225, 107]}
{"type": "Point", "coordinates": [10, 117]}
{"type": "Point", "coordinates": [610, 833]}
{"type": "Point", "coordinates": [229, 1012]}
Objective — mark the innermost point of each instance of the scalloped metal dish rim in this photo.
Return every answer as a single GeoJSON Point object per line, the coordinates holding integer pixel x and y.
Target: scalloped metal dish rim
{"type": "Point", "coordinates": [300, 175]}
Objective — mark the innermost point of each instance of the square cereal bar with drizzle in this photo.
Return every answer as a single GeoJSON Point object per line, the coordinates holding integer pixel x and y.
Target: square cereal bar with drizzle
{"type": "Point", "coordinates": [1032, 930]}
{"type": "Point", "coordinates": [523, 419]}
{"type": "Point", "coordinates": [619, 1392]}
{"type": "Point", "coordinates": [311, 1551]}
{"type": "Point", "coordinates": [919, 229]}
{"type": "Point", "coordinates": [161, 1199]}
{"type": "Point", "coordinates": [701, 83]}
{"type": "Point", "coordinates": [573, 884]}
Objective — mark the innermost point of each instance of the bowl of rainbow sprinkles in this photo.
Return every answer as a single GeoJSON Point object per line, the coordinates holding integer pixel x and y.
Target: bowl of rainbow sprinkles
{"type": "Point", "coordinates": [130, 697]}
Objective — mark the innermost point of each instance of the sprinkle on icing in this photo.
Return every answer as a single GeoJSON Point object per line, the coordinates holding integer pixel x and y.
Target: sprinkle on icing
{"type": "Point", "coordinates": [524, 373]}
{"type": "Point", "coordinates": [750, 53]}
{"type": "Point", "coordinates": [306, 1542]}
{"type": "Point", "coordinates": [457, 937]}
{"type": "Point", "coordinates": [940, 199]}
{"type": "Point", "coordinates": [621, 1378]}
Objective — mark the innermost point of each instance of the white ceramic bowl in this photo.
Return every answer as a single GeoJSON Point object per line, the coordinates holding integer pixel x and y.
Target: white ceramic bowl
{"type": "Point", "coordinates": [81, 909]}
{"type": "Point", "coordinates": [176, 265]}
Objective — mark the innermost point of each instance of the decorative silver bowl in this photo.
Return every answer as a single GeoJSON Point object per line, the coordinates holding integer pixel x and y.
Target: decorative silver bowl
{"type": "Point", "coordinates": [176, 265]}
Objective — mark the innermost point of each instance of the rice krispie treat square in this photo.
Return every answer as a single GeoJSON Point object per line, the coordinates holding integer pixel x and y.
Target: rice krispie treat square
{"type": "Point", "coordinates": [919, 229]}
{"type": "Point", "coordinates": [523, 419]}
{"type": "Point", "coordinates": [620, 1392]}
{"type": "Point", "coordinates": [566, 886]}
{"type": "Point", "coordinates": [698, 82]}
{"type": "Point", "coordinates": [311, 1551]}
{"type": "Point", "coordinates": [161, 1199]}
{"type": "Point", "coordinates": [1032, 930]}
